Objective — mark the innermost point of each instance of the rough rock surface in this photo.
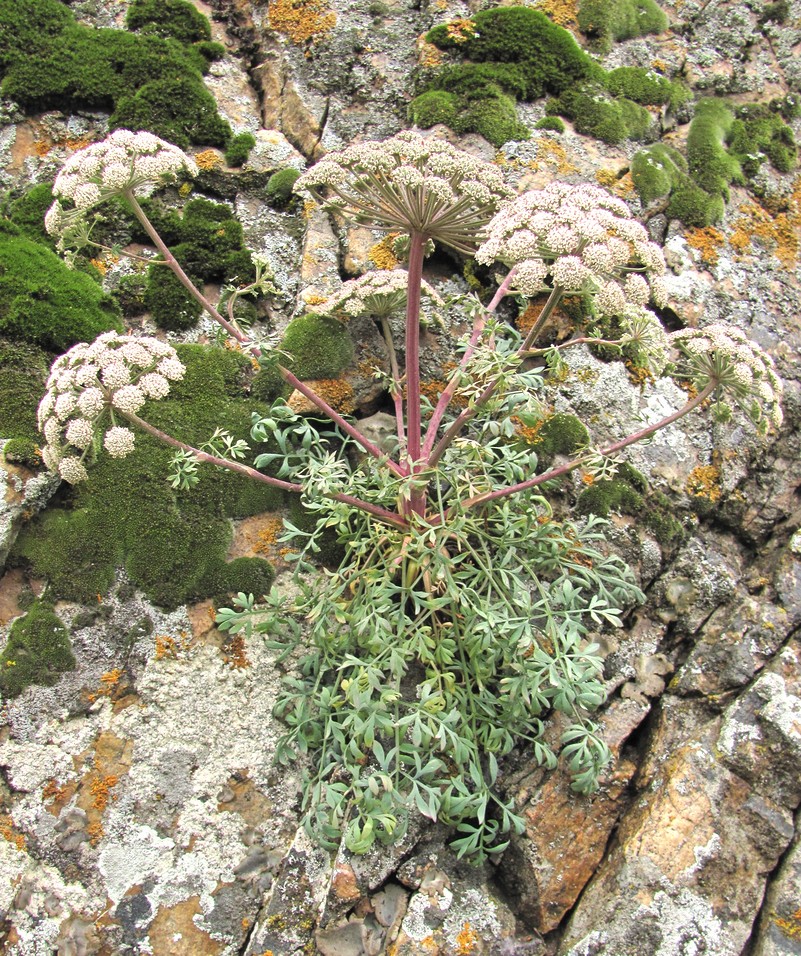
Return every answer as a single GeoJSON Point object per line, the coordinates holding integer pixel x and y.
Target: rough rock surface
{"type": "Point", "coordinates": [140, 811]}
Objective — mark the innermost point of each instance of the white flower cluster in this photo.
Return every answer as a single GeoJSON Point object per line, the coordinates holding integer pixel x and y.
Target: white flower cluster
{"type": "Point", "coordinates": [124, 160]}
{"type": "Point", "coordinates": [410, 184]}
{"type": "Point", "coordinates": [115, 372]}
{"type": "Point", "coordinates": [378, 294]}
{"type": "Point", "coordinates": [725, 355]}
{"type": "Point", "coordinates": [582, 239]}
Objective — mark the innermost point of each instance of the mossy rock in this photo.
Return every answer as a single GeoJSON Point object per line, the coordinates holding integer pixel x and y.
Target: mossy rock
{"type": "Point", "coordinates": [606, 21]}
{"type": "Point", "coordinates": [27, 212]}
{"type": "Point", "coordinates": [552, 123]}
{"type": "Point", "coordinates": [50, 61]}
{"type": "Point", "coordinates": [44, 302]}
{"type": "Point", "coordinates": [660, 172]}
{"type": "Point", "coordinates": [646, 87]}
{"type": "Point", "coordinates": [38, 652]}
{"type": "Point", "coordinates": [759, 133]}
{"type": "Point", "coordinates": [177, 108]}
{"type": "Point", "coordinates": [319, 346]}
{"type": "Point", "coordinates": [559, 434]}
{"type": "Point", "coordinates": [628, 493]}
{"type": "Point", "coordinates": [177, 19]}
{"type": "Point", "coordinates": [23, 371]}
{"type": "Point", "coordinates": [434, 107]}
{"type": "Point", "coordinates": [209, 245]}
{"type": "Point", "coordinates": [172, 544]}
{"type": "Point", "coordinates": [594, 113]}
{"type": "Point", "coordinates": [279, 187]}
{"type": "Point", "coordinates": [22, 451]}
{"type": "Point", "coordinates": [238, 149]}
{"type": "Point", "coordinates": [710, 166]}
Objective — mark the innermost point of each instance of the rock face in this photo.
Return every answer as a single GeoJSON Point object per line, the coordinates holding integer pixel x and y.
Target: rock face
{"type": "Point", "coordinates": [140, 807]}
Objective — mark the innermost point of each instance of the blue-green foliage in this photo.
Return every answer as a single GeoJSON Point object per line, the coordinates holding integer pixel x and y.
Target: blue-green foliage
{"type": "Point", "coordinates": [48, 60]}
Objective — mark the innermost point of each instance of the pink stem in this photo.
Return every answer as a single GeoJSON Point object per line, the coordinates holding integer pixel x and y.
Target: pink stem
{"type": "Point", "coordinates": [388, 517]}
{"type": "Point", "coordinates": [450, 390]}
{"type": "Point", "coordinates": [609, 450]}
{"type": "Point", "coordinates": [413, 411]}
{"type": "Point", "coordinates": [182, 277]}
{"type": "Point", "coordinates": [346, 427]}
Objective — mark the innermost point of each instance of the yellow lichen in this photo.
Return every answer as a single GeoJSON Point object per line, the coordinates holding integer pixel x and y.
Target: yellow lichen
{"type": "Point", "coordinates": [466, 940]}
{"type": "Point", "coordinates": [789, 926]}
{"type": "Point", "coordinates": [708, 241]}
{"type": "Point", "coordinates": [428, 55]}
{"type": "Point", "coordinates": [95, 831]}
{"type": "Point", "coordinates": [236, 656]}
{"type": "Point", "coordinates": [563, 12]}
{"type": "Point", "coordinates": [166, 646]}
{"type": "Point", "coordinates": [382, 255]}
{"type": "Point", "coordinates": [704, 482]}
{"type": "Point", "coordinates": [460, 30]}
{"type": "Point", "coordinates": [303, 21]}
{"type": "Point", "coordinates": [184, 190]}
{"type": "Point", "coordinates": [779, 228]}
{"type": "Point", "coordinates": [337, 392]}
{"type": "Point", "coordinates": [208, 159]}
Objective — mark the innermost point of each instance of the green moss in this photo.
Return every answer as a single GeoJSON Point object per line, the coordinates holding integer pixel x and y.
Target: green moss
{"type": "Point", "coordinates": [759, 133]}
{"type": "Point", "coordinates": [238, 149]}
{"type": "Point", "coordinates": [693, 206]}
{"type": "Point", "coordinates": [28, 212]}
{"type": "Point", "coordinates": [645, 87]}
{"type": "Point", "coordinates": [433, 107]}
{"type": "Point", "coordinates": [177, 108]}
{"type": "Point", "coordinates": [130, 294]}
{"type": "Point", "coordinates": [49, 61]}
{"type": "Point", "coordinates": [177, 19]}
{"type": "Point", "coordinates": [656, 171]}
{"type": "Point", "coordinates": [710, 165]}
{"type": "Point", "coordinates": [494, 118]}
{"type": "Point", "coordinates": [210, 248]}
{"type": "Point", "coordinates": [268, 383]}
{"type": "Point", "coordinates": [560, 434]}
{"type": "Point", "coordinates": [320, 346]}
{"type": "Point", "coordinates": [551, 123]}
{"type": "Point", "coordinates": [44, 302]}
{"type": "Point", "coordinates": [22, 451]}
{"type": "Point", "coordinates": [279, 187]}
{"type": "Point", "coordinates": [38, 652]}
{"type": "Point", "coordinates": [628, 493]}
{"type": "Point", "coordinates": [171, 544]}
{"type": "Point", "coordinates": [593, 113]}
{"type": "Point", "coordinates": [607, 21]}
{"type": "Point", "coordinates": [23, 371]}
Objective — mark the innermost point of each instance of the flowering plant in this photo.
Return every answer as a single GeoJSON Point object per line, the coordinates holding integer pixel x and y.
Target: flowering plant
{"type": "Point", "coordinates": [459, 621]}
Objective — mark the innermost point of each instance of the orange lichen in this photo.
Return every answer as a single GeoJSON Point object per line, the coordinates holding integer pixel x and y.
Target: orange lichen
{"type": "Point", "coordinates": [588, 479]}
{"type": "Point", "coordinates": [708, 241]}
{"type": "Point", "coordinates": [108, 684]}
{"type": "Point", "coordinates": [312, 299]}
{"type": "Point", "coordinates": [267, 537]}
{"type": "Point", "coordinates": [552, 153]}
{"type": "Point", "coordinates": [638, 374]}
{"type": "Point", "coordinates": [208, 159]}
{"type": "Point", "coordinates": [460, 30]}
{"type": "Point", "coordinates": [236, 656]}
{"type": "Point", "coordinates": [337, 392]}
{"type": "Point", "coordinates": [466, 940]}
{"type": "Point", "coordinates": [779, 228]}
{"type": "Point", "coordinates": [704, 482]}
{"type": "Point", "coordinates": [529, 433]}
{"type": "Point", "coordinates": [303, 21]}
{"type": "Point", "coordinates": [52, 791]}
{"type": "Point", "coordinates": [382, 254]}
{"type": "Point", "coordinates": [7, 832]}
{"type": "Point", "coordinates": [428, 55]}
{"type": "Point", "coordinates": [100, 788]}
{"type": "Point", "coordinates": [95, 831]}
{"type": "Point", "coordinates": [563, 12]}
{"type": "Point", "coordinates": [166, 646]}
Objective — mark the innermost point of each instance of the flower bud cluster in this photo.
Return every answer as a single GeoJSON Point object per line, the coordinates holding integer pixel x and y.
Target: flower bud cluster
{"type": "Point", "coordinates": [582, 239]}
{"type": "Point", "coordinates": [123, 161]}
{"type": "Point", "coordinates": [378, 294]}
{"type": "Point", "coordinates": [88, 384]}
{"type": "Point", "coordinates": [412, 184]}
{"type": "Point", "coordinates": [725, 355]}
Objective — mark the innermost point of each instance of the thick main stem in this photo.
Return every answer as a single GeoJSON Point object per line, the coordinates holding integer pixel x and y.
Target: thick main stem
{"type": "Point", "coordinates": [609, 450]}
{"type": "Point", "coordinates": [413, 411]}
{"type": "Point", "coordinates": [182, 277]}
